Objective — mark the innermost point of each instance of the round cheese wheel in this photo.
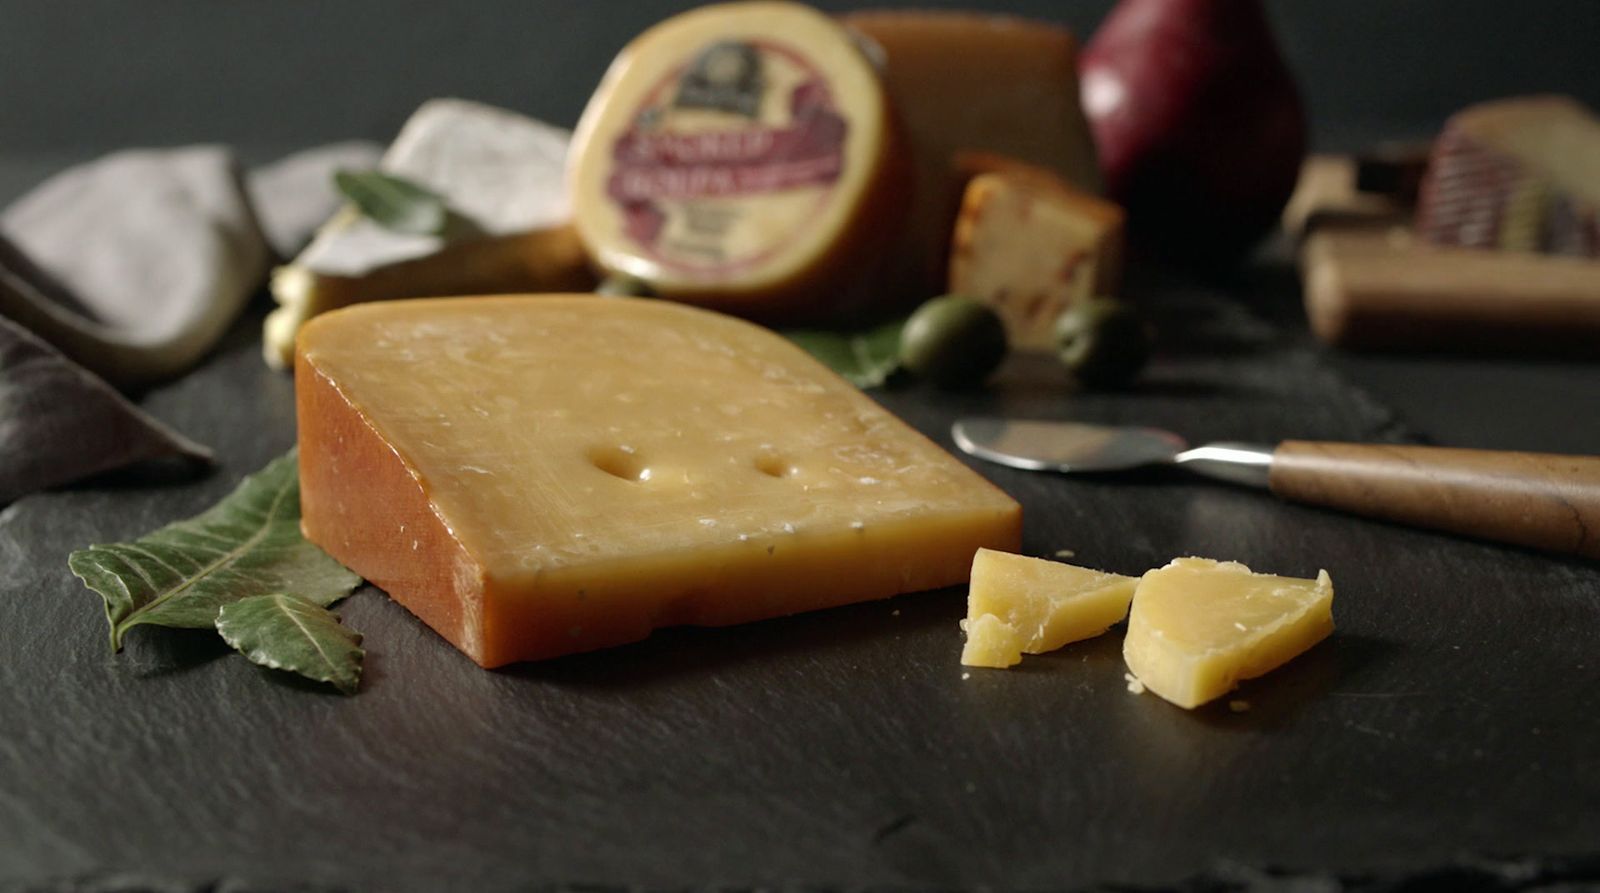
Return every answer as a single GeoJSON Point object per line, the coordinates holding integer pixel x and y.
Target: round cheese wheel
{"type": "Point", "coordinates": [745, 157]}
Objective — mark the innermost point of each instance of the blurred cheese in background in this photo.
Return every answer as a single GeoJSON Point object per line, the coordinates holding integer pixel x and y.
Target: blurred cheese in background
{"type": "Point", "coordinates": [744, 157]}
{"type": "Point", "coordinates": [1517, 174]}
{"type": "Point", "coordinates": [501, 171]}
{"type": "Point", "coordinates": [1030, 245]}
{"type": "Point", "coordinates": [973, 81]}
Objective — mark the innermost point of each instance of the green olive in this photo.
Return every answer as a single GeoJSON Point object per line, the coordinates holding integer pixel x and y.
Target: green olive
{"type": "Point", "coordinates": [623, 285]}
{"type": "Point", "coordinates": [953, 341]}
{"type": "Point", "coordinates": [1103, 342]}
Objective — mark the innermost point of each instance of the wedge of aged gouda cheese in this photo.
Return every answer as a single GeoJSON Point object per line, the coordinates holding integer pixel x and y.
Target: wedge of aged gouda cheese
{"type": "Point", "coordinates": [973, 81]}
{"type": "Point", "coordinates": [539, 475]}
{"type": "Point", "coordinates": [1029, 245]}
{"type": "Point", "coordinates": [743, 156]}
{"type": "Point", "coordinates": [1197, 626]}
{"type": "Point", "coordinates": [1019, 605]}
{"type": "Point", "coordinates": [500, 171]}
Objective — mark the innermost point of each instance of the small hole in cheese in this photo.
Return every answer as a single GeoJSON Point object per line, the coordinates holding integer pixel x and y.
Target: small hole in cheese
{"type": "Point", "coordinates": [773, 465]}
{"type": "Point", "coordinates": [619, 461]}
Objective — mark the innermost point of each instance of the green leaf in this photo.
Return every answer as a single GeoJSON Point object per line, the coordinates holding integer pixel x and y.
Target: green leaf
{"type": "Point", "coordinates": [287, 632]}
{"type": "Point", "coordinates": [247, 544]}
{"type": "Point", "coordinates": [394, 203]}
{"type": "Point", "coordinates": [866, 358]}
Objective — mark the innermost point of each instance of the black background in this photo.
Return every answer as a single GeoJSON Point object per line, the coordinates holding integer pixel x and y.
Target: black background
{"type": "Point", "coordinates": [1453, 716]}
{"type": "Point", "coordinates": [85, 76]}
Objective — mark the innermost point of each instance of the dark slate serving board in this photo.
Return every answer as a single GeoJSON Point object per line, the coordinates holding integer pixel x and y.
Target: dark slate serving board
{"type": "Point", "coordinates": [1452, 719]}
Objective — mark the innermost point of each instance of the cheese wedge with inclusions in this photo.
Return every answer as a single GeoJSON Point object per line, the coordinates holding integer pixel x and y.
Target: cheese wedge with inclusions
{"type": "Point", "coordinates": [539, 475]}
{"type": "Point", "coordinates": [1018, 605]}
{"type": "Point", "coordinates": [1031, 246]}
{"type": "Point", "coordinates": [1197, 627]}
{"type": "Point", "coordinates": [1516, 174]}
{"type": "Point", "coordinates": [968, 81]}
{"type": "Point", "coordinates": [503, 172]}
{"type": "Point", "coordinates": [743, 156]}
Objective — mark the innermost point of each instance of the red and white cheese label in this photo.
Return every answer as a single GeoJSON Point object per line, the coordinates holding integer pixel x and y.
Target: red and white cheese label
{"type": "Point", "coordinates": [729, 157]}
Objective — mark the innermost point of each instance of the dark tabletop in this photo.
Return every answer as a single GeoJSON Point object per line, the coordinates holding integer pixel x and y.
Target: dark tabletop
{"type": "Point", "coordinates": [1446, 731]}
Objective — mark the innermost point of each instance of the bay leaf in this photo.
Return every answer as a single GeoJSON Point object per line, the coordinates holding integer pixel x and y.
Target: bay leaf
{"type": "Point", "coordinates": [866, 358]}
{"type": "Point", "coordinates": [248, 544]}
{"type": "Point", "coordinates": [395, 203]}
{"type": "Point", "coordinates": [287, 632]}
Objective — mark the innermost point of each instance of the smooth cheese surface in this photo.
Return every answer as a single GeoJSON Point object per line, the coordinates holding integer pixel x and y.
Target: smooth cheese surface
{"type": "Point", "coordinates": [968, 81]}
{"type": "Point", "coordinates": [738, 156]}
{"type": "Point", "coordinates": [599, 467]}
{"type": "Point", "coordinates": [503, 172]}
{"type": "Point", "coordinates": [1197, 627]}
{"type": "Point", "coordinates": [1020, 605]}
{"type": "Point", "coordinates": [1031, 247]}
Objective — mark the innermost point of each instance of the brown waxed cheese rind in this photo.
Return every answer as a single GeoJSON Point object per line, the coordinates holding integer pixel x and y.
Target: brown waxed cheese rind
{"type": "Point", "coordinates": [975, 82]}
{"type": "Point", "coordinates": [393, 438]}
{"type": "Point", "coordinates": [1371, 283]}
{"type": "Point", "coordinates": [773, 262]}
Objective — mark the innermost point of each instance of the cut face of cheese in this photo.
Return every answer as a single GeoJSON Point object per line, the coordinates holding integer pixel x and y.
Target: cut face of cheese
{"type": "Point", "coordinates": [1517, 174]}
{"type": "Point", "coordinates": [1198, 627]}
{"type": "Point", "coordinates": [742, 156]}
{"type": "Point", "coordinates": [503, 172]}
{"type": "Point", "coordinates": [1030, 246]}
{"type": "Point", "coordinates": [1019, 605]}
{"type": "Point", "coordinates": [965, 81]}
{"type": "Point", "coordinates": [539, 475]}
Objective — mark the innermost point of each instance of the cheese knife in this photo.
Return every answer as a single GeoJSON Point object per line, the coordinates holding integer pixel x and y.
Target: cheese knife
{"type": "Point", "coordinates": [1539, 500]}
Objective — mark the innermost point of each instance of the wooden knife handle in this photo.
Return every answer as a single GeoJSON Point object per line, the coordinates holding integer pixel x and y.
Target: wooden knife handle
{"type": "Point", "coordinates": [1539, 500]}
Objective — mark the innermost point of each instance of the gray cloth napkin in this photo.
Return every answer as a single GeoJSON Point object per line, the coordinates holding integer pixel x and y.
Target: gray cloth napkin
{"type": "Point", "coordinates": [292, 196]}
{"type": "Point", "coordinates": [59, 422]}
{"type": "Point", "coordinates": [125, 272]}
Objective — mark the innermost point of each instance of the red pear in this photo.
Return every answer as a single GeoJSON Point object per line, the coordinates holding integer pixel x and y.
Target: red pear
{"type": "Point", "coordinates": [1198, 124]}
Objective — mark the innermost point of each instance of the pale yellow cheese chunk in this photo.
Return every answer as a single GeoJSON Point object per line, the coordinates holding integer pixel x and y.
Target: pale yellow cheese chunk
{"type": "Point", "coordinates": [1018, 605]}
{"type": "Point", "coordinates": [991, 642]}
{"type": "Point", "coordinates": [1198, 627]}
{"type": "Point", "coordinates": [540, 475]}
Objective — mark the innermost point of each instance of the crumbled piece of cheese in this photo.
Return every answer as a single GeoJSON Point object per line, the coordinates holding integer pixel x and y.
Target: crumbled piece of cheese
{"type": "Point", "coordinates": [503, 172]}
{"type": "Point", "coordinates": [532, 475]}
{"type": "Point", "coordinates": [1019, 605]}
{"type": "Point", "coordinates": [1516, 174]}
{"type": "Point", "coordinates": [743, 156]}
{"type": "Point", "coordinates": [969, 81]}
{"type": "Point", "coordinates": [1198, 627]}
{"type": "Point", "coordinates": [1031, 246]}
